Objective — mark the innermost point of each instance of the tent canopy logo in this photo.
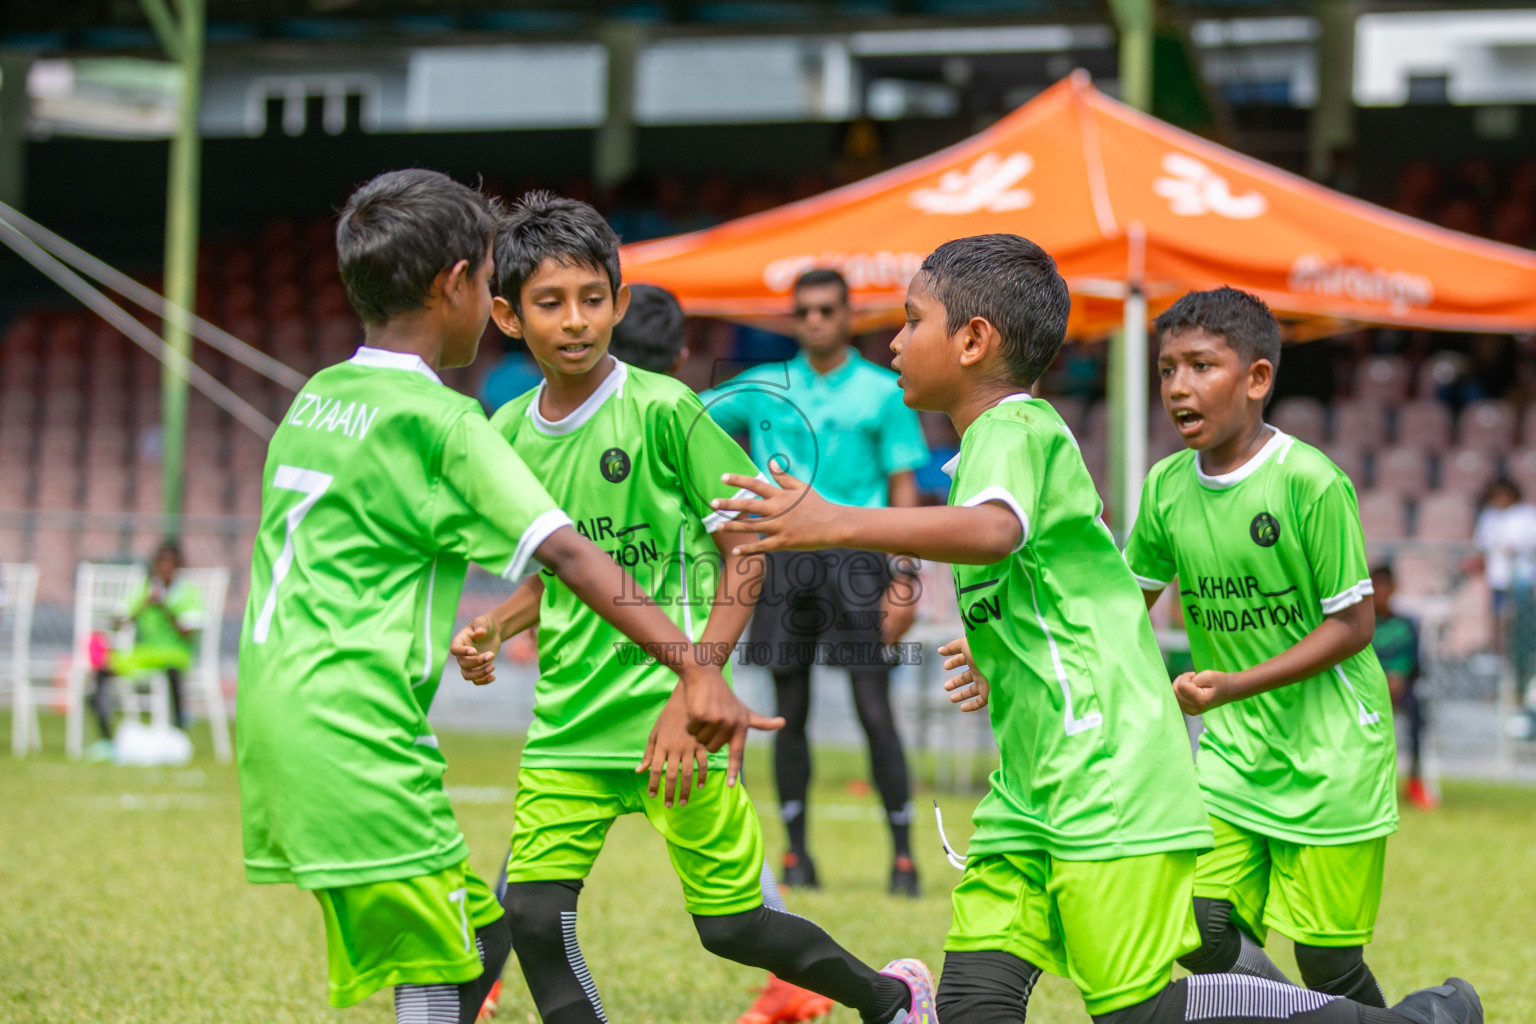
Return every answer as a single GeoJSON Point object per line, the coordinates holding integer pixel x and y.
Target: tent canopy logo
{"type": "Point", "coordinates": [1193, 190]}
{"type": "Point", "coordinates": [987, 185]}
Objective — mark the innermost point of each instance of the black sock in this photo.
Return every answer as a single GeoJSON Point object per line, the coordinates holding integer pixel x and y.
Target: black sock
{"type": "Point", "coordinates": [985, 987]}
{"type": "Point", "coordinates": [792, 752]}
{"type": "Point", "coordinates": [173, 683]}
{"type": "Point", "coordinates": [1224, 947]}
{"type": "Point", "coordinates": [887, 760]}
{"type": "Point", "coordinates": [101, 703]}
{"type": "Point", "coordinates": [543, 920]}
{"type": "Point", "coordinates": [494, 943]}
{"type": "Point", "coordinates": [802, 954]}
{"type": "Point", "coordinates": [1240, 999]}
{"type": "Point", "coordinates": [1339, 971]}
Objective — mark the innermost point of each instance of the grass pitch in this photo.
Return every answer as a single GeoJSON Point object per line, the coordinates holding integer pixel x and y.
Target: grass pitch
{"type": "Point", "coordinates": [122, 899]}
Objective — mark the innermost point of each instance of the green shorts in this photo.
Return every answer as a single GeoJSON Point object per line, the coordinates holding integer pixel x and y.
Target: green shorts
{"type": "Point", "coordinates": [407, 931]}
{"type": "Point", "coordinates": [1317, 895]}
{"type": "Point", "coordinates": [715, 842]}
{"type": "Point", "coordinates": [143, 659]}
{"type": "Point", "coordinates": [1114, 927]}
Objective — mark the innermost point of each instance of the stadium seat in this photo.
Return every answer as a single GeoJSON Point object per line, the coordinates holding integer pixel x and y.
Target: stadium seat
{"type": "Point", "coordinates": [1488, 425]}
{"type": "Point", "coordinates": [1383, 516]}
{"type": "Point", "coordinates": [1383, 379]}
{"type": "Point", "coordinates": [1466, 472]}
{"type": "Point", "coordinates": [1302, 418]}
{"type": "Point", "coordinates": [1424, 424]}
{"type": "Point", "coordinates": [1521, 468]}
{"type": "Point", "coordinates": [1445, 518]}
{"type": "Point", "coordinates": [1401, 471]}
{"type": "Point", "coordinates": [1422, 573]}
{"type": "Point", "coordinates": [1350, 459]}
{"type": "Point", "coordinates": [1360, 422]}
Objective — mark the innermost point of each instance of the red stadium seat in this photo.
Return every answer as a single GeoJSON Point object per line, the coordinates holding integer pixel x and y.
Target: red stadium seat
{"type": "Point", "coordinates": [1302, 418]}
{"type": "Point", "coordinates": [1383, 516]}
{"type": "Point", "coordinates": [1383, 378]}
{"type": "Point", "coordinates": [1445, 518]}
{"type": "Point", "coordinates": [1424, 424]}
{"type": "Point", "coordinates": [1521, 468]}
{"type": "Point", "coordinates": [1361, 422]}
{"type": "Point", "coordinates": [1401, 471]}
{"type": "Point", "coordinates": [1422, 573]}
{"type": "Point", "coordinates": [1466, 472]}
{"type": "Point", "coordinates": [1350, 459]}
{"type": "Point", "coordinates": [1488, 425]}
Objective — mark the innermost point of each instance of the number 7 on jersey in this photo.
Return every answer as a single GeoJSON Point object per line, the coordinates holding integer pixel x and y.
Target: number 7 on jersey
{"type": "Point", "coordinates": [311, 484]}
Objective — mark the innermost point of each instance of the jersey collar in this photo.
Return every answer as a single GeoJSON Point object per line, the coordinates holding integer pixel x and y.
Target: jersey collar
{"type": "Point", "coordinates": [385, 359]}
{"type": "Point", "coordinates": [578, 417]}
{"type": "Point", "coordinates": [954, 464]}
{"type": "Point", "coordinates": [1279, 441]}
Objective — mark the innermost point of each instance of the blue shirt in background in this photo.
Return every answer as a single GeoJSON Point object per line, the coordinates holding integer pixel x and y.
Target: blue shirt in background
{"type": "Point", "coordinates": [844, 432]}
{"type": "Point", "coordinates": [513, 374]}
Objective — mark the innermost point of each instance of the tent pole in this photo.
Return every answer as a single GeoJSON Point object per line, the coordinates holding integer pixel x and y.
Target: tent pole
{"type": "Point", "coordinates": [1131, 465]}
{"type": "Point", "coordinates": [1134, 19]}
{"type": "Point", "coordinates": [183, 40]}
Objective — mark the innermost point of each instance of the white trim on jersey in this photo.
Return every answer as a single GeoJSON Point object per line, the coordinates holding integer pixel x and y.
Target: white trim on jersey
{"type": "Point", "coordinates": [385, 359]}
{"type": "Point", "coordinates": [1353, 596]}
{"type": "Point", "coordinates": [1221, 481]}
{"type": "Point", "coordinates": [954, 464]}
{"type": "Point", "coordinates": [610, 384]}
{"type": "Point", "coordinates": [1148, 583]}
{"type": "Point", "coordinates": [719, 517]}
{"type": "Point", "coordinates": [1003, 495]}
{"type": "Point", "coordinates": [537, 533]}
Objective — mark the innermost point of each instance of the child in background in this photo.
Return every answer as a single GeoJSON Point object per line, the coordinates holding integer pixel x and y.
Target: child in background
{"type": "Point", "coordinates": [1396, 643]}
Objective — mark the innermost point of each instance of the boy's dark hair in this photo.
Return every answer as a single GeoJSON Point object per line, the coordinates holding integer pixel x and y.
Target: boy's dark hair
{"type": "Point", "coordinates": [403, 228]}
{"type": "Point", "coordinates": [819, 276]}
{"type": "Point", "coordinates": [1502, 483]}
{"type": "Point", "coordinates": [544, 226]}
{"type": "Point", "coordinates": [1384, 571]}
{"type": "Point", "coordinates": [652, 333]}
{"type": "Point", "coordinates": [1013, 284]}
{"type": "Point", "coordinates": [169, 546]}
{"type": "Point", "coordinates": [1241, 320]}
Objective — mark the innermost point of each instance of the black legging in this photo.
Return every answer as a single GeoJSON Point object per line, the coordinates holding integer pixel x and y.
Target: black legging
{"type": "Point", "coordinates": [101, 700]}
{"type": "Point", "coordinates": [887, 760]}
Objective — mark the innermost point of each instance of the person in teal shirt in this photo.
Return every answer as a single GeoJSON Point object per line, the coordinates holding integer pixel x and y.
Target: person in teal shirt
{"type": "Point", "coordinates": [833, 417]}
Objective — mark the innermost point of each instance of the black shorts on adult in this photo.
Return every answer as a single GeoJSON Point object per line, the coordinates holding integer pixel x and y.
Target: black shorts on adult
{"type": "Point", "coordinates": [821, 607]}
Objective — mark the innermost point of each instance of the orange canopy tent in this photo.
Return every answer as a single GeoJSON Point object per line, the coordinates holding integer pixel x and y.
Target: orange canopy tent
{"type": "Point", "coordinates": [1122, 201]}
{"type": "Point", "coordinates": [1136, 212]}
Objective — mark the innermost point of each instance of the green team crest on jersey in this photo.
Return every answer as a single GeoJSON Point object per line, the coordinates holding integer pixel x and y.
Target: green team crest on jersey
{"type": "Point", "coordinates": [615, 463]}
{"type": "Point", "coordinates": [1265, 530]}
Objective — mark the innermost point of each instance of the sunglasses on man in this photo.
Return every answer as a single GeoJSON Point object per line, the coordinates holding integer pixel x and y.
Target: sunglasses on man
{"type": "Point", "coordinates": [827, 312]}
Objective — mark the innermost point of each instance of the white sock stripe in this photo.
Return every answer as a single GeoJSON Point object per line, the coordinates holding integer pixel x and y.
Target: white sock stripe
{"type": "Point", "coordinates": [772, 898]}
{"type": "Point", "coordinates": [579, 963]}
{"type": "Point", "coordinates": [480, 949]}
{"type": "Point", "coordinates": [426, 1004]}
{"type": "Point", "coordinates": [1214, 996]}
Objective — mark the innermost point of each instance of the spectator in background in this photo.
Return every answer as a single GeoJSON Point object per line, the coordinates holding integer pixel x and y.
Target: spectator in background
{"type": "Point", "coordinates": [514, 373]}
{"type": "Point", "coordinates": [1506, 537]}
{"type": "Point", "coordinates": [1396, 642]}
{"type": "Point", "coordinates": [651, 335]}
{"type": "Point", "coordinates": [841, 424]}
{"type": "Point", "coordinates": [166, 614]}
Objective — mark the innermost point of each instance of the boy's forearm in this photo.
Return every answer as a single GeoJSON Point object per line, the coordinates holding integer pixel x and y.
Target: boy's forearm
{"type": "Point", "coordinates": [520, 610]}
{"type": "Point", "coordinates": [978, 535]}
{"type": "Point", "coordinates": [1338, 637]}
{"type": "Point", "coordinates": [741, 581]}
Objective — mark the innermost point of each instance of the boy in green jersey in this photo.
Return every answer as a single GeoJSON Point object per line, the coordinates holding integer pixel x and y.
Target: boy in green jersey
{"type": "Point", "coordinates": [380, 486]}
{"type": "Point", "coordinates": [636, 460]}
{"type": "Point", "coordinates": [1297, 760]}
{"type": "Point", "coordinates": [1083, 859]}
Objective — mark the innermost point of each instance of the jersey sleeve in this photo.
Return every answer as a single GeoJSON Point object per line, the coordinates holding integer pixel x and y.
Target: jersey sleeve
{"type": "Point", "coordinates": [490, 503]}
{"type": "Point", "coordinates": [702, 451]}
{"type": "Point", "coordinates": [902, 446]}
{"type": "Point", "coordinates": [185, 603]}
{"type": "Point", "coordinates": [730, 407]}
{"type": "Point", "coordinates": [1147, 551]}
{"type": "Point", "coordinates": [996, 467]}
{"type": "Point", "coordinates": [1335, 546]}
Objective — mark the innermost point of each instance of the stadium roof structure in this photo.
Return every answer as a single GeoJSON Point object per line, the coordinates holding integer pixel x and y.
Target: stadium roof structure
{"type": "Point", "coordinates": [1128, 205]}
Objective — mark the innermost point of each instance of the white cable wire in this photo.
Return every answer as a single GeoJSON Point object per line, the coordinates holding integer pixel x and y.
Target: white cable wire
{"type": "Point", "coordinates": [115, 279]}
{"type": "Point", "coordinates": [955, 860]}
{"type": "Point", "coordinates": [140, 335]}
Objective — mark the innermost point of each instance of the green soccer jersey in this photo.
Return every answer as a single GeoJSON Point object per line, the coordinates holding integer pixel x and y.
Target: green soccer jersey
{"type": "Point", "coordinates": [637, 465]}
{"type": "Point", "coordinates": [1094, 757]}
{"type": "Point", "coordinates": [1262, 554]}
{"type": "Point", "coordinates": [159, 622]}
{"type": "Point", "coordinates": [380, 485]}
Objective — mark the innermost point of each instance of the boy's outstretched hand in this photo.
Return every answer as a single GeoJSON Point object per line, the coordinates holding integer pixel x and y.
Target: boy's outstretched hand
{"type": "Point", "coordinates": [672, 750]}
{"type": "Point", "coordinates": [718, 718]}
{"type": "Point", "coordinates": [793, 515]}
{"type": "Point", "coordinates": [475, 646]}
{"type": "Point", "coordinates": [968, 689]}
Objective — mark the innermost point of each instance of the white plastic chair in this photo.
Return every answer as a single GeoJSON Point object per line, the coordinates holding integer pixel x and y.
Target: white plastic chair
{"type": "Point", "coordinates": [18, 597]}
{"type": "Point", "coordinates": [100, 592]}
